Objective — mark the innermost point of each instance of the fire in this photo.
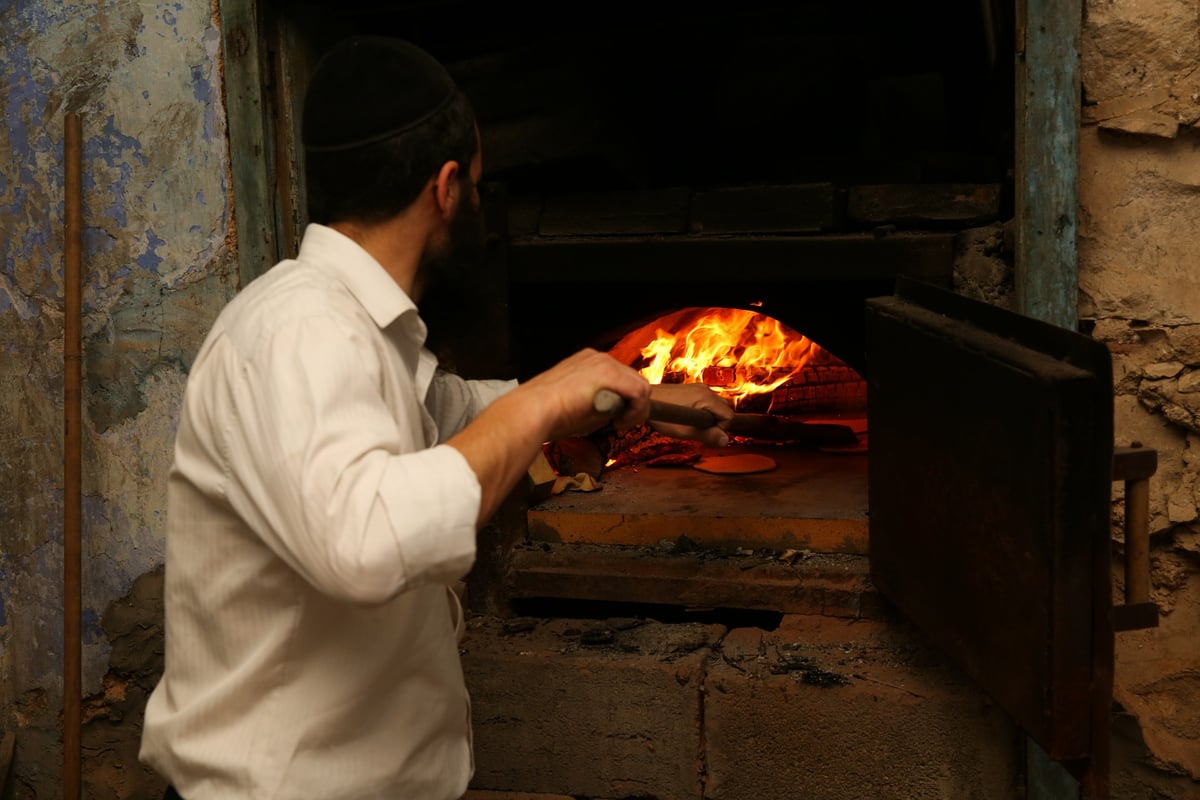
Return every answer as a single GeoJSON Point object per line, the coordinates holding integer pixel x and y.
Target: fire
{"type": "Point", "coordinates": [737, 352]}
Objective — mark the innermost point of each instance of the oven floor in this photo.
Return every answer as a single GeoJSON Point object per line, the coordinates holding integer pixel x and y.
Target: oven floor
{"type": "Point", "coordinates": [812, 500]}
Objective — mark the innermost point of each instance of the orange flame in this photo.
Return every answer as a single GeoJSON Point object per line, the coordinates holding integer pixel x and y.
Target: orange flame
{"type": "Point", "coordinates": [737, 352]}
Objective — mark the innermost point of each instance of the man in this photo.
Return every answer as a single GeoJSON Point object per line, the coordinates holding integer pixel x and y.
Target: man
{"type": "Point", "coordinates": [329, 479]}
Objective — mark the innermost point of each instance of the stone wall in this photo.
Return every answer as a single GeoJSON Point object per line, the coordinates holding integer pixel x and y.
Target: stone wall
{"type": "Point", "coordinates": [1139, 292]}
{"type": "Point", "coordinates": [160, 260]}
{"type": "Point", "coordinates": [1139, 284]}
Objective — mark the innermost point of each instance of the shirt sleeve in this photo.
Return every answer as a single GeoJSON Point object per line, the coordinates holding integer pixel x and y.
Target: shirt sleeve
{"type": "Point", "coordinates": [335, 476]}
{"type": "Point", "coordinates": [454, 401]}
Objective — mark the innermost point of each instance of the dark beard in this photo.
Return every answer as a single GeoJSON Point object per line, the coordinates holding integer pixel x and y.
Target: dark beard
{"type": "Point", "coordinates": [463, 255]}
{"type": "Point", "coordinates": [455, 294]}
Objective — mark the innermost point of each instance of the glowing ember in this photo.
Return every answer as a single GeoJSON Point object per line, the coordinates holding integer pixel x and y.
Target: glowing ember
{"type": "Point", "coordinates": [737, 352]}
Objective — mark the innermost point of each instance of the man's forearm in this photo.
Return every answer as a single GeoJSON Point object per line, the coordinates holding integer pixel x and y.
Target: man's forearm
{"type": "Point", "coordinates": [499, 445]}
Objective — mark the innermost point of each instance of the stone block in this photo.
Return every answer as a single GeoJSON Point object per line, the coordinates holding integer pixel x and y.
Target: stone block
{"type": "Point", "coordinates": [829, 709]}
{"type": "Point", "coordinates": [602, 709]}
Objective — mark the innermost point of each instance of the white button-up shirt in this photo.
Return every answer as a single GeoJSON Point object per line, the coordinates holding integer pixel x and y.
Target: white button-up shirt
{"type": "Point", "coordinates": [314, 524]}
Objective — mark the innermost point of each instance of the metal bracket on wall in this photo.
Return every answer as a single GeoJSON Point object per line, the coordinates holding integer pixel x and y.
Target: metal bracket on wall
{"type": "Point", "coordinates": [1134, 465]}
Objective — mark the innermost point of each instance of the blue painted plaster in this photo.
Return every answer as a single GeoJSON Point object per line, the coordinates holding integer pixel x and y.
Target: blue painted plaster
{"type": "Point", "coordinates": [198, 89]}
{"type": "Point", "coordinates": [46, 563]}
{"type": "Point", "coordinates": [92, 632]}
{"type": "Point", "coordinates": [150, 260]}
{"type": "Point", "coordinates": [26, 86]}
{"type": "Point", "coordinates": [116, 151]}
{"type": "Point", "coordinates": [97, 240]}
{"type": "Point", "coordinates": [93, 510]}
{"type": "Point", "coordinates": [22, 98]}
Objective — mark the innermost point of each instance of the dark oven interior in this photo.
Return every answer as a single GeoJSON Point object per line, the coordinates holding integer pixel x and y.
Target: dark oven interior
{"type": "Point", "coordinates": [642, 160]}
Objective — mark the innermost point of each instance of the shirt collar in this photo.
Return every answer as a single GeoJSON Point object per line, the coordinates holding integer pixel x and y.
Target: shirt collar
{"type": "Point", "coordinates": [361, 274]}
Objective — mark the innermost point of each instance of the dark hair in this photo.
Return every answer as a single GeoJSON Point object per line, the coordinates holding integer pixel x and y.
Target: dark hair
{"type": "Point", "coordinates": [376, 181]}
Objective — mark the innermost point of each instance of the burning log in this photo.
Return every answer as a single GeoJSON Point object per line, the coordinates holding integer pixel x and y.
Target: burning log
{"type": "Point", "coordinates": [721, 376]}
{"type": "Point", "coordinates": [642, 446]}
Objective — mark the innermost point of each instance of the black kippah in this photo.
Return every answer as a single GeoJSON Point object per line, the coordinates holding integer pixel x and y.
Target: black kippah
{"type": "Point", "coordinates": [369, 88]}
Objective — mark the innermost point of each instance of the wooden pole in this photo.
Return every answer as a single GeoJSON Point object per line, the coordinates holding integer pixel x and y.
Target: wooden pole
{"type": "Point", "coordinates": [72, 456]}
{"type": "Point", "coordinates": [1137, 540]}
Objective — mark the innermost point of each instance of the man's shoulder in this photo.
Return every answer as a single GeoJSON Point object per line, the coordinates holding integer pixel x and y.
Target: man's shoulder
{"type": "Point", "coordinates": [290, 293]}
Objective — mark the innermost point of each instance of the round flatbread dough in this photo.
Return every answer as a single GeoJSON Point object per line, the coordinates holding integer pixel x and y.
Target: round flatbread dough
{"type": "Point", "coordinates": [739, 464]}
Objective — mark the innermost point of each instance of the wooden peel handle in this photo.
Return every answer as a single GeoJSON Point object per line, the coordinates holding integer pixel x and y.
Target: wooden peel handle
{"type": "Point", "coordinates": [609, 402]}
{"type": "Point", "coordinates": [759, 426]}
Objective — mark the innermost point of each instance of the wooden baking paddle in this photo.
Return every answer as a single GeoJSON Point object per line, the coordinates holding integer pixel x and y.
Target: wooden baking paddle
{"type": "Point", "coordinates": [755, 426]}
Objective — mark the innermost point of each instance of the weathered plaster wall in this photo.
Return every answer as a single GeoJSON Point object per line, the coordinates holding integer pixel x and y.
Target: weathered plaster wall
{"type": "Point", "coordinates": [1139, 276]}
{"type": "Point", "coordinates": [158, 264]}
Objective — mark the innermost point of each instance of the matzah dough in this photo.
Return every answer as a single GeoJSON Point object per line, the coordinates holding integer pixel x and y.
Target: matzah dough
{"type": "Point", "coordinates": [735, 464]}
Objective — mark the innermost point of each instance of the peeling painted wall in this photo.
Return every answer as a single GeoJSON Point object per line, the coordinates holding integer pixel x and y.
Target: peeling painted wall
{"type": "Point", "coordinates": [159, 262]}
{"type": "Point", "coordinates": [157, 266]}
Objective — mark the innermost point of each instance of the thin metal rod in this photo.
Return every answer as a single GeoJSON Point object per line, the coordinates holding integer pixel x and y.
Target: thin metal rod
{"type": "Point", "coordinates": [72, 456]}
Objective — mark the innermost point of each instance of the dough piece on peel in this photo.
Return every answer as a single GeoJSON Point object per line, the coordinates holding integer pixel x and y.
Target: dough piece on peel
{"type": "Point", "coordinates": [738, 464]}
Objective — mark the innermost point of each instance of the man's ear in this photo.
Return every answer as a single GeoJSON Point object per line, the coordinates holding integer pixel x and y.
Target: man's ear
{"type": "Point", "coordinates": [446, 189]}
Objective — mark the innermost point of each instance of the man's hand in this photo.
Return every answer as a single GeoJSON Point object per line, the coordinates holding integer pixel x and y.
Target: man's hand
{"type": "Point", "coordinates": [695, 395]}
{"type": "Point", "coordinates": [558, 403]}
{"type": "Point", "coordinates": [568, 390]}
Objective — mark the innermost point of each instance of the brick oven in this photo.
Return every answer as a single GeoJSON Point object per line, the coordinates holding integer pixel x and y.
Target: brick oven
{"type": "Point", "coordinates": [791, 161]}
{"type": "Point", "coordinates": [813, 163]}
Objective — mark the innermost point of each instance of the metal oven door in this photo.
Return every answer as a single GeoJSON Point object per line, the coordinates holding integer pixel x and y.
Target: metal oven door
{"type": "Point", "coordinates": [989, 488]}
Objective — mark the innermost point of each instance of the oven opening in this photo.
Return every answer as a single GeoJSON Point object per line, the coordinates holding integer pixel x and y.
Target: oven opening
{"type": "Point", "coordinates": [774, 523]}
{"type": "Point", "coordinates": [792, 480]}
